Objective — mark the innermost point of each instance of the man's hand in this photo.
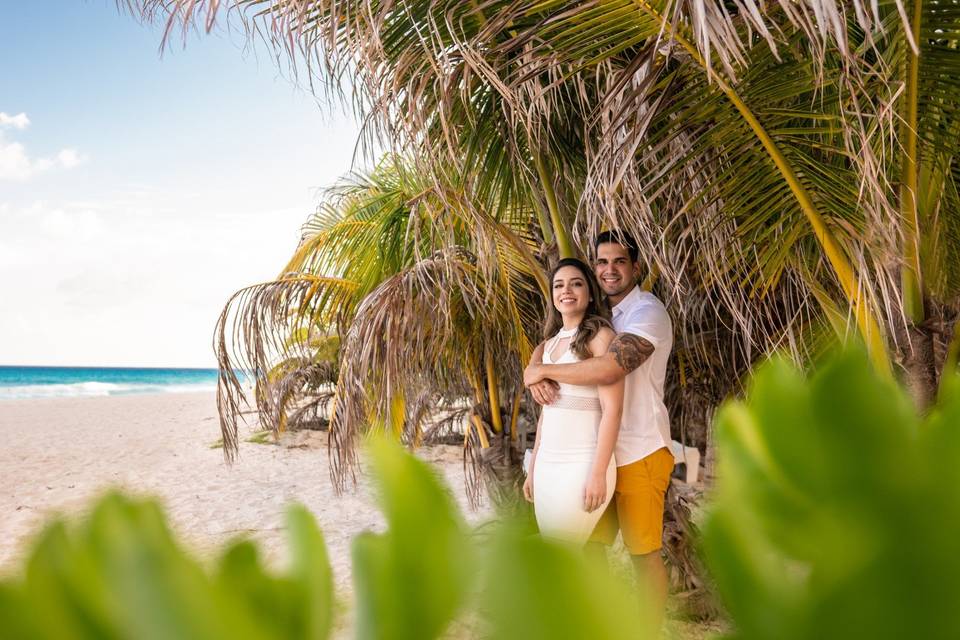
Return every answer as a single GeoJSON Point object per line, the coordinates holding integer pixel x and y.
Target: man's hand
{"type": "Point", "coordinates": [544, 392]}
{"type": "Point", "coordinates": [532, 374]}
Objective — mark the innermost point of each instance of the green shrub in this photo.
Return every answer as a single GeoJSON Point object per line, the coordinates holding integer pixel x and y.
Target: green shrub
{"type": "Point", "coordinates": [837, 509]}
{"type": "Point", "coordinates": [837, 514]}
{"type": "Point", "coordinates": [120, 574]}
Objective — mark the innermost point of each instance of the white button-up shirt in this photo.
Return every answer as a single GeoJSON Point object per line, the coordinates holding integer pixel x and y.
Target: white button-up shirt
{"type": "Point", "coordinates": [645, 426]}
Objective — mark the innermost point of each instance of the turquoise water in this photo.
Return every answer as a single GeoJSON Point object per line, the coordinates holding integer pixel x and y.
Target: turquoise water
{"type": "Point", "coordinates": [56, 382]}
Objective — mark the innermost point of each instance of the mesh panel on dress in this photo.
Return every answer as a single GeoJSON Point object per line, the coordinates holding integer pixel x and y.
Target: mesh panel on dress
{"type": "Point", "coordinates": [577, 403]}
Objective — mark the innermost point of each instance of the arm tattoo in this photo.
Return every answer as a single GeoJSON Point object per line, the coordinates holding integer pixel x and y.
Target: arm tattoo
{"type": "Point", "coordinates": [630, 351]}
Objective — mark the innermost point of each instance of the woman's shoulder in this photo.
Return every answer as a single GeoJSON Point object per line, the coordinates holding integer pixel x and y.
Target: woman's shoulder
{"type": "Point", "coordinates": [601, 341]}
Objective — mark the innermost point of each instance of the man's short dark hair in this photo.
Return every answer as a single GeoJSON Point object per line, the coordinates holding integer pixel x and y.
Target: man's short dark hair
{"type": "Point", "coordinates": [621, 238]}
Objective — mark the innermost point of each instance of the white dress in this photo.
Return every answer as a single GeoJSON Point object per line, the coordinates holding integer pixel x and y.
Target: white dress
{"type": "Point", "coordinates": [568, 443]}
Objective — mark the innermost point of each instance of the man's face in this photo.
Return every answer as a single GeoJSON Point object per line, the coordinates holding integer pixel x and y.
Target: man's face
{"type": "Point", "coordinates": [615, 271]}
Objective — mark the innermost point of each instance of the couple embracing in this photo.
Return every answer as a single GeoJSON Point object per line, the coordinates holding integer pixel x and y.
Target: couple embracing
{"type": "Point", "coordinates": [602, 459]}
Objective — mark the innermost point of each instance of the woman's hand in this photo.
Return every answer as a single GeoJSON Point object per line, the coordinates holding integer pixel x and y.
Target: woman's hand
{"type": "Point", "coordinates": [544, 392]}
{"type": "Point", "coordinates": [595, 492]}
{"type": "Point", "coordinates": [528, 486]}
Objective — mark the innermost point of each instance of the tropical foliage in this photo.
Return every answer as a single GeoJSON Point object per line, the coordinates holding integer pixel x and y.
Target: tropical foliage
{"type": "Point", "coordinates": [835, 516]}
{"type": "Point", "coordinates": [385, 249]}
{"type": "Point", "coordinates": [831, 490]}
{"type": "Point", "coordinates": [788, 167]}
{"type": "Point", "coordinates": [121, 574]}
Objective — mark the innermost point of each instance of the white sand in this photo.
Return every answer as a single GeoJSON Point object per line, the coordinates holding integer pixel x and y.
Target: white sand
{"type": "Point", "coordinates": [57, 454]}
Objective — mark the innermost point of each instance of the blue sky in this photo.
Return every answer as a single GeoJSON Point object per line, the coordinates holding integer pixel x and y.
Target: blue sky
{"type": "Point", "coordinates": [138, 191]}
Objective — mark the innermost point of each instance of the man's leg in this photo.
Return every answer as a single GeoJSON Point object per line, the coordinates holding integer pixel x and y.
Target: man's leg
{"type": "Point", "coordinates": [652, 579]}
{"type": "Point", "coordinates": [643, 486]}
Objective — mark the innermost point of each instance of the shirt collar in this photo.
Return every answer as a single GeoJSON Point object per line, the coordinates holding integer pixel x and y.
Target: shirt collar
{"type": "Point", "coordinates": [632, 298]}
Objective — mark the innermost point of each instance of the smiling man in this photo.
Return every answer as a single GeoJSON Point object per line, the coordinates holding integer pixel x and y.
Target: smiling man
{"type": "Point", "coordinates": [639, 354]}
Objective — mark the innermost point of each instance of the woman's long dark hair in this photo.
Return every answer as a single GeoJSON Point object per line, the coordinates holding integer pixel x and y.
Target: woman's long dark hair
{"type": "Point", "coordinates": [596, 316]}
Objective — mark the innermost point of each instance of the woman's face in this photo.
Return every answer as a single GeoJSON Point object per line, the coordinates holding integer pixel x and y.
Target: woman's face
{"type": "Point", "coordinates": [571, 294]}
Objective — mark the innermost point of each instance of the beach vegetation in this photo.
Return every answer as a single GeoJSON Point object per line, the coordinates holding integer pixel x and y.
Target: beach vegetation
{"type": "Point", "coordinates": [403, 310]}
{"type": "Point", "coordinates": [834, 505]}
{"type": "Point", "coordinates": [262, 437]}
{"type": "Point", "coordinates": [788, 169]}
{"type": "Point", "coordinates": [834, 516]}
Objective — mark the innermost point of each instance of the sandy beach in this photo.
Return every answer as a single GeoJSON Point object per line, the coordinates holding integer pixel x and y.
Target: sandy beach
{"type": "Point", "coordinates": [58, 454]}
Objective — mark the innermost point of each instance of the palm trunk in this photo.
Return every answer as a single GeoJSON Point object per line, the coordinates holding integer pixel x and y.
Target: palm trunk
{"type": "Point", "coordinates": [919, 363]}
{"type": "Point", "coordinates": [398, 413]}
{"type": "Point", "coordinates": [564, 245]}
{"type": "Point", "coordinates": [493, 393]}
{"type": "Point", "coordinates": [481, 432]}
{"type": "Point", "coordinates": [911, 283]}
{"type": "Point", "coordinates": [543, 219]}
{"type": "Point", "coordinates": [515, 413]}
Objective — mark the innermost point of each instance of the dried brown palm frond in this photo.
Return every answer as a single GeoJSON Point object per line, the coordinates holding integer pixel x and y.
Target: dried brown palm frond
{"type": "Point", "coordinates": [492, 470]}
{"type": "Point", "coordinates": [446, 425]}
{"type": "Point", "coordinates": [689, 581]}
{"type": "Point", "coordinates": [372, 227]}
{"type": "Point", "coordinates": [443, 76]}
{"type": "Point", "coordinates": [253, 334]}
{"type": "Point", "coordinates": [432, 327]}
{"type": "Point", "coordinates": [301, 388]}
{"type": "Point", "coordinates": [688, 177]}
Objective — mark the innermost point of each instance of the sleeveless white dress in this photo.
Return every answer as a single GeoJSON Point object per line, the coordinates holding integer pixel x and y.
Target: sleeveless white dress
{"type": "Point", "coordinates": [568, 443]}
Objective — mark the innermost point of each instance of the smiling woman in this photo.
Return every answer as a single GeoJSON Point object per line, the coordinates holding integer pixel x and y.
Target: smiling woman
{"type": "Point", "coordinates": [572, 471]}
{"type": "Point", "coordinates": [575, 292]}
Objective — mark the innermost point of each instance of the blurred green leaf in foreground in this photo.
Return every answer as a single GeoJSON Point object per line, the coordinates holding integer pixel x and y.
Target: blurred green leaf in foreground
{"type": "Point", "coordinates": [837, 509]}
{"type": "Point", "coordinates": [120, 574]}
{"type": "Point", "coordinates": [837, 514]}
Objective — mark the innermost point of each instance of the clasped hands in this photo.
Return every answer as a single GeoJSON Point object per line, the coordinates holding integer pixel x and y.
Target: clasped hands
{"type": "Point", "coordinates": [543, 390]}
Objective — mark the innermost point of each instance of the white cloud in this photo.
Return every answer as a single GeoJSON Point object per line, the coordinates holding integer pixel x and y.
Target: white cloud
{"type": "Point", "coordinates": [14, 163]}
{"type": "Point", "coordinates": [19, 121]}
{"type": "Point", "coordinates": [123, 282]}
{"type": "Point", "coordinates": [69, 158]}
{"type": "Point", "coordinates": [17, 165]}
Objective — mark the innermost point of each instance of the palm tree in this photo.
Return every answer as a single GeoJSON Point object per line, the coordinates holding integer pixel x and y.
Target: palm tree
{"type": "Point", "coordinates": [749, 147]}
{"type": "Point", "coordinates": [925, 62]}
{"type": "Point", "coordinates": [386, 247]}
{"type": "Point", "coordinates": [780, 162]}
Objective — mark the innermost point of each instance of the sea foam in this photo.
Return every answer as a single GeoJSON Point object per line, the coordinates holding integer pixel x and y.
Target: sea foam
{"type": "Point", "coordinates": [95, 389]}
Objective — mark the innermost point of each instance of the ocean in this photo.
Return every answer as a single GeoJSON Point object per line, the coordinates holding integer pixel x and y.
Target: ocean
{"type": "Point", "coordinates": [72, 382]}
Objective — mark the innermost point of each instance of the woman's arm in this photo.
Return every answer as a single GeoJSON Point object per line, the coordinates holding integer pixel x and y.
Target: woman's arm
{"type": "Point", "coordinates": [528, 483]}
{"type": "Point", "coordinates": [611, 409]}
{"type": "Point", "coordinates": [545, 391]}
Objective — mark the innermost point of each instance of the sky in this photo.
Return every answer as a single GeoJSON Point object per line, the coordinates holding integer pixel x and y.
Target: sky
{"type": "Point", "coordinates": [138, 191]}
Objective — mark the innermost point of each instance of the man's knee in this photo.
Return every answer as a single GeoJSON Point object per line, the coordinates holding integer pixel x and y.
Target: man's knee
{"type": "Point", "coordinates": [647, 562]}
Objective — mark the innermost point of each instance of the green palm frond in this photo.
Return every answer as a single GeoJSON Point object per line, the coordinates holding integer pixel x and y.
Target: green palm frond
{"type": "Point", "coordinates": [372, 229]}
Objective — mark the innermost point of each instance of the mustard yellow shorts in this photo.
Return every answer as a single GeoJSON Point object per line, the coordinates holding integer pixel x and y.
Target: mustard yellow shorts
{"type": "Point", "coordinates": [637, 506]}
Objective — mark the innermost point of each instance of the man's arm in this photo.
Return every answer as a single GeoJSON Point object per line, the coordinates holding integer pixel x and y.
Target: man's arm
{"type": "Point", "coordinates": [544, 391]}
{"type": "Point", "coordinates": [626, 353]}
